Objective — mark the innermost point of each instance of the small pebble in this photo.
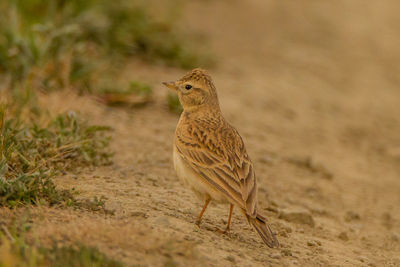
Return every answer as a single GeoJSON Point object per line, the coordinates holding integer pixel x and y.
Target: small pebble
{"type": "Point", "coordinates": [230, 258]}
{"type": "Point", "coordinates": [139, 214]}
{"type": "Point", "coordinates": [343, 236]}
{"type": "Point", "coordinates": [299, 216]}
{"type": "Point", "coordinates": [396, 237]}
{"type": "Point", "coordinates": [286, 252]}
{"type": "Point", "coordinates": [311, 243]}
{"type": "Point", "coordinates": [351, 216]}
{"type": "Point", "coordinates": [276, 256]}
{"type": "Point", "coordinates": [283, 233]}
{"type": "Point", "coordinates": [288, 229]}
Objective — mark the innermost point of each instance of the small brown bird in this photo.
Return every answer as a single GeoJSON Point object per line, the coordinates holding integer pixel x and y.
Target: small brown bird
{"type": "Point", "coordinates": [209, 154]}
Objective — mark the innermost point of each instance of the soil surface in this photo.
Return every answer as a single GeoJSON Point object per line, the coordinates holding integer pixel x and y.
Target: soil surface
{"type": "Point", "coordinates": [314, 89]}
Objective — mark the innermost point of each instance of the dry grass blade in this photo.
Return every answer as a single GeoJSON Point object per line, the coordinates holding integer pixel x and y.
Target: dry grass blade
{"type": "Point", "coordinates": [7, 233]}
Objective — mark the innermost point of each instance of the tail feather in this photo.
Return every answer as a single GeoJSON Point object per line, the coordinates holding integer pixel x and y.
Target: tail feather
{"type": "Point", "coordinates": [259, 223]}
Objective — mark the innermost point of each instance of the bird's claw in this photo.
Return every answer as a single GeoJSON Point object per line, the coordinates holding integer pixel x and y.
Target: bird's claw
{"type": "Point", "coordinates": [197, 223]}
{"type": "Point", "coordinates": [224, 232]}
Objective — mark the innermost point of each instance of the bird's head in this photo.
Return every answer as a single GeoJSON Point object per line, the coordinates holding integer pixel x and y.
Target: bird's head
{"type": "Point", "coordinates": [195, 90]}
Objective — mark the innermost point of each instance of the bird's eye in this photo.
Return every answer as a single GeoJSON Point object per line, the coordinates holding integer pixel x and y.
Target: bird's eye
{"type": "Point", "coordinates": [188, 87]}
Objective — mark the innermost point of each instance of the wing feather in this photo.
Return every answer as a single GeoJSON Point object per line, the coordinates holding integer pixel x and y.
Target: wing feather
{"type": "Point", "coordinates": [221, 159]}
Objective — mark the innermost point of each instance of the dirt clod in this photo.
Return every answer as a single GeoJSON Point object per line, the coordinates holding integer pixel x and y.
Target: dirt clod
{"type": "Point", "coordinates": [297, 216]}
{"type": "Point", "coordinates": [311, 164]}
{"type": "Point", "coordinates": [276, 256]}
{"type": "Point", "coordinates": [286, 252]}
{"type": "Point", "coordinates": [139, 214]}
{"type": "Point", "coordinates": [351, 216]}
{"type": "Point", "coordinates": [343, 236]}
{"type": "Point", "coordinates": [396, 237]}
{"type": "Point", "coordinates": [230, 258]}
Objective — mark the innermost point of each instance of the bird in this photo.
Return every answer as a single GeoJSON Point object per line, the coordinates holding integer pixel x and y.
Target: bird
{"type": "Point", "coordinates": [209, 154]}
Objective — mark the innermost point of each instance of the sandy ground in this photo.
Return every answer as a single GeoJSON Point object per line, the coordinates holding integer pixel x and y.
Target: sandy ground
{"type": "Point", "coordinates": [313, 88]}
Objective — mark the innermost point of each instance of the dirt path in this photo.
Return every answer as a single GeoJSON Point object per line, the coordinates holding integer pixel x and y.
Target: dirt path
{"type": "Point", "coordinates": [310, 90]}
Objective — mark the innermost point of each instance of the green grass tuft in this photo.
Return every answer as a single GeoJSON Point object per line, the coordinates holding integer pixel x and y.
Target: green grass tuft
{"type": "Point", "coordinates": [135, 87]}
{"type": "Point", "coordinates": [52, 45]}
{"type": "Point", "coordinates": [66, 142]}
{"type": "Point", "coordinates": [140, 89]}
{"type": "Point", "coordinates": [17, 251]}
{"type": "Point", "coordinates": [77, 255]}
{"type": "Point", "coordinates": [31, 154]}
{"type": "Point", "coordinates": [137, 94]}
{"type": "Point", "coordinates": [36, 188]}
{"type": "Point", "coordinates": [173, 103]}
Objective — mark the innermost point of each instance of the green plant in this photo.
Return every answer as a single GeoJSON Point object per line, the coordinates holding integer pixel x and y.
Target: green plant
{"type": "Point", "coordinates": [173, 103]}
{"type": "Point", "coordinates": [70, 44]}
{"type": "Point", "coordinates": [15, 250]}
{"type": "Point", "coordinates": [140, 89]}
{"type": "Point", "coordinates": [31, 154]}
{"type": "Point", "coordinates": [135, 88]}
{"type": "Point", "coordinates": [77, 255]}
{"type": "Point", "coordinates": [137, 94]}
{"type": "Point", "coordinates": [26, 149]}
{"type": "Point", "coordinates": [67, 141]}
{"type": "Point", "coordinates": [32, 189]}
{"type": "Point", "coordinates": [97, 205]}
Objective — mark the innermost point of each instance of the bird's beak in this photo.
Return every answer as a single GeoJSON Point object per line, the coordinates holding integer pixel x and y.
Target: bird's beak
{"type": "Point", "coordinates": [170, 85]}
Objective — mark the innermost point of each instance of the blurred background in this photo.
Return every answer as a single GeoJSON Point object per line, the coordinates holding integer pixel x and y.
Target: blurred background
{"type": "Point", "coordinates": [86, 175]}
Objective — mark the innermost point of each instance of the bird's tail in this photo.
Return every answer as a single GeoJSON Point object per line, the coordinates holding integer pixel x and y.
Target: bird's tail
{"type": "Point", "coordinates": [259, 223]}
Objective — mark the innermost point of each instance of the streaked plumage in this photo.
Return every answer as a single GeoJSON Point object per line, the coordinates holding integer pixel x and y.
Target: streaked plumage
{"type": "Point", "coordinates": [209, 154]}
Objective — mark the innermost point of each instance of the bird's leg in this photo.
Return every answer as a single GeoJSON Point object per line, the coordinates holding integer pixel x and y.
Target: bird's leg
{"type": "Point", "coordinates": [202, 211]}
{"type": "Point", "coordinates": [228, 225]}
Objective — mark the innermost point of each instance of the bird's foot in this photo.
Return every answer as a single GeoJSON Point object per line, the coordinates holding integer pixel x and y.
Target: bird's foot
{"type": "Point", "coordinates": [224, 232]}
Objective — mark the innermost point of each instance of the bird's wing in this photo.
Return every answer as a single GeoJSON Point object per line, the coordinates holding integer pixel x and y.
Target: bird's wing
{"type": "Point", "coordinates": [220, 158]}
